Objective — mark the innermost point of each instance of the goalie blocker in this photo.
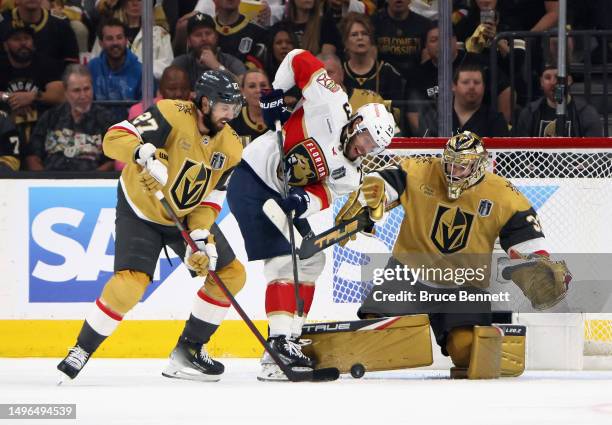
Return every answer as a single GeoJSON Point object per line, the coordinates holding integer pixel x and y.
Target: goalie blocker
{"type": "Point", "coordinates": [405, 342]}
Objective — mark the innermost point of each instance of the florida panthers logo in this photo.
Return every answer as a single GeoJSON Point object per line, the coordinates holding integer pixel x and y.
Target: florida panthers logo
{"type": "Point", "coordinates": [306, 163]}
{"type": "Point", "coordinates": [300, 169]}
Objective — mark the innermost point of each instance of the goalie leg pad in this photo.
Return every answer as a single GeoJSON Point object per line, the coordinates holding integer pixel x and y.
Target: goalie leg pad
{"type": "Point", "coordinates": [459, 345]}
{"type": "Point", "coordinates": [485, 356]}
{"type": "Point", "coordinates": [377, 344]}
{"type": "Point", "coordinates": [513, 350]}
{"type": "Point", "coordinates": [123, 291]}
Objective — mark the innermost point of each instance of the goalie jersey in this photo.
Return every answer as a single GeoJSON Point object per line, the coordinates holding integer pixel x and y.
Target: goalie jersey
{"type": "Point", "coordinates": [198, 166]}
{"type": "Point", "coordinates": [440, 233]}
{"type": "Point", "coordinates": [314, 155]}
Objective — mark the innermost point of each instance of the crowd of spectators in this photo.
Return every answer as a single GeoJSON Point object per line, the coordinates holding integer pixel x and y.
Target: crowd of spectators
{"type": "Point", "coordinates": [71, 68]}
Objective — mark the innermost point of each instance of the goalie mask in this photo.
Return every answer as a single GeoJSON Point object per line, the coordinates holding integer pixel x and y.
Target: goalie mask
{"type": "Point", "coordinates": [464, 161]}
{"type": "Point", "coordinates": [373, 120]}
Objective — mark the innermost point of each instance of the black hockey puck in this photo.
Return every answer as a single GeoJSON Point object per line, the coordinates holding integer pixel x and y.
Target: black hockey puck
{"type": "Point", "coordinates": [357, 370]}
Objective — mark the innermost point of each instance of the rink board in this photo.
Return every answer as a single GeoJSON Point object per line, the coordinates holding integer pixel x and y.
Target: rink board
{"type": "Point", "coordinates": [58, 254]}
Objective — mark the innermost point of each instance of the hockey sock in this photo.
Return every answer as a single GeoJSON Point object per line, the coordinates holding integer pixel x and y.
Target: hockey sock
{"type": "Point", "coordinates": [206, 316]}
{"type": "Point", "coordinates": [280, 306]}
{"type": "Point", "coordinates": [99, 324]}
{"type": "Point", "coordinates": [306, 290]}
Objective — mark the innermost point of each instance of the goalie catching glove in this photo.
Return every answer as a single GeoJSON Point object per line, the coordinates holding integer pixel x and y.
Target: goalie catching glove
{"type": "Point", "coordinates": [205, 258]}
{"type": "Point", "coordinates": [543, 281]}
{"type": "Point", "coordinates": [154, 174]}
{"type": "Point", "coordinates": [370, 196]}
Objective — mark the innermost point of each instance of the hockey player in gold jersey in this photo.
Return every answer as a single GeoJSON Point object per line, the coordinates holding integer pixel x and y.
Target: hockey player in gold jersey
{"type": "Point", "coordinates": [454, 211]}
{"type": "Point", "coordinates": [187, 151]}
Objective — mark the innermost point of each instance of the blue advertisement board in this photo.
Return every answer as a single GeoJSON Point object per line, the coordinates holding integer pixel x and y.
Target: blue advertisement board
{"type": "Point", "coordinates": [71, 244]}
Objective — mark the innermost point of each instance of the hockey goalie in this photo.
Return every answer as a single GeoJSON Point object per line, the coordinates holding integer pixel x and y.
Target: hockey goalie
{"type": "Point", "coordinates": [454, 211]}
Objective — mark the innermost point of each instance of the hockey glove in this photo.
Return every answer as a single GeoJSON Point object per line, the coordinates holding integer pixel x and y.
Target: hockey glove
{"type": "Point", "coordinates": [353, 208]}
{"type": "Point", "coordinates": [273, 107]}
{"type": "Point", "coordinates": [143, 152]}
{"type": "Point", "coordinates": [543, 281]}
{"type": "Point", "coordinates": [153, 176]}
{"type": "Point", "coordinates": [370, 196]}
{"type": "Point", "coordinates": [206, 258]}
{"type": "Point", "coordinates": [297, 202]}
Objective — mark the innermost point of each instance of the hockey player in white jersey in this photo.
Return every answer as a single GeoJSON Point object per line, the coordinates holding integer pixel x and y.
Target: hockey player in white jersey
{"type": "Point", "coordinates": [323, 146]}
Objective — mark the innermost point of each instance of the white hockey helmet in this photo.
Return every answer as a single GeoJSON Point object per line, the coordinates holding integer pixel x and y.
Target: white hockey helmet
{"type": "Point", "coordinates": [378, 122]}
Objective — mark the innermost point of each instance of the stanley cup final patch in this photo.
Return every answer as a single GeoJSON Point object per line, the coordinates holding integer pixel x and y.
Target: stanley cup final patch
{"type": "Point", "coordinates": [484, 208]}
{"type": "Point", "coordinates": [217, 161]}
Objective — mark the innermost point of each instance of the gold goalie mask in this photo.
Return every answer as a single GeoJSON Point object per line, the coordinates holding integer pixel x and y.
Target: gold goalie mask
{"type": "Point", "coordinates": [464, 161]}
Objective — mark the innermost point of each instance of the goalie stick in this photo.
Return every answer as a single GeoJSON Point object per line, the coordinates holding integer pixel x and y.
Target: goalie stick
{"type": "Point", "coordinates": [326, 374]}
{"type": "Point", "coordinates": [311, 245]}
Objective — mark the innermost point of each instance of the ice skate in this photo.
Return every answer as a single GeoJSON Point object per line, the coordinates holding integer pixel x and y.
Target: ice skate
{"type": "Point", "coordinates": [290, 353]}
{"type": "Point", "coordinates": [191, 361]}
{"type": "Point", "coordinates": [73, 363]}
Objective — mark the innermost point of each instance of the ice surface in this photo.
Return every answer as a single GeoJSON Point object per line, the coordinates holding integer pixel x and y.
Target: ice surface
{"type": "Point", "coordinates": [132, 391]}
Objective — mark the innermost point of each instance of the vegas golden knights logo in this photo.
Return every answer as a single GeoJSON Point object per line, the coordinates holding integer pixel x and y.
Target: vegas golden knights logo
{"type": "Point", "coordinates": [451, 229]}
{"type": "Point", "coordinates": [190, 184]}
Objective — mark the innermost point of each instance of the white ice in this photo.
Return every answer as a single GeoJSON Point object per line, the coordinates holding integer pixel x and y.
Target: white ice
{"type": "Point", "coordinates": [133, 392]}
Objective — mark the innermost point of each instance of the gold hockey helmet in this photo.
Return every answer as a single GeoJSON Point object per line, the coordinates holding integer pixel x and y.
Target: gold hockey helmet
{"type": "Point", "coordinates": [464, 161]}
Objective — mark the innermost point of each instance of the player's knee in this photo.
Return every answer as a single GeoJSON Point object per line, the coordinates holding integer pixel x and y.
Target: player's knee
{"type": "Point", "coordinates": [123, 291]}
{"type": "Point", "coordinates": [281, 268]}
{"type": "Point", "coordinates": [234, 277]}
{"type": "Point", "coordinates": [311, 268]}
{"type": "Point", "coordinates": [459, 345]}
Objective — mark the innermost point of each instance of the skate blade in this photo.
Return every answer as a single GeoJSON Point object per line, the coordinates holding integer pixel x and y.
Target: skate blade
{"type": "Point", "coordinates": [62, 377]}
{"type": "Point", "coordinates": [189, 375]}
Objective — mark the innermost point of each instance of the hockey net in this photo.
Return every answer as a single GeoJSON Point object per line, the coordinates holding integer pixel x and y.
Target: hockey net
{"type": "Point", "coordinates": [566, 180]}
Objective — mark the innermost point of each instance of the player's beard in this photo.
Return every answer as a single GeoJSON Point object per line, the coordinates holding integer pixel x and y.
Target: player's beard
{"type": "Point", "coordinates": [206, 124]}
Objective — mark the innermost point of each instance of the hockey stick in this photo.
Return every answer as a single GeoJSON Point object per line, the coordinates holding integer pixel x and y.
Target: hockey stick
{"type": "Point", "coordinates": [326, 374]}
{"type": "Point", "coordinates": [299, 302]}
{"type": "Point", "coordinates": [278, 217]}
{"type": "Point", "coordinates": [310, 246]}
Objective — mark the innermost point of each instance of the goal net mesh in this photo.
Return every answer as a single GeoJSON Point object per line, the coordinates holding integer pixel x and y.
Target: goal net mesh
{"type": "Point", "coordinates": [567, 184]}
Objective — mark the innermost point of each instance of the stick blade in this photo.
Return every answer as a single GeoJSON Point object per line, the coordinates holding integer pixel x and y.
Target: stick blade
{"type": "Point", "coordinates": [325, 374]}
{"type": "Point", "coordinates": [317, 375]}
